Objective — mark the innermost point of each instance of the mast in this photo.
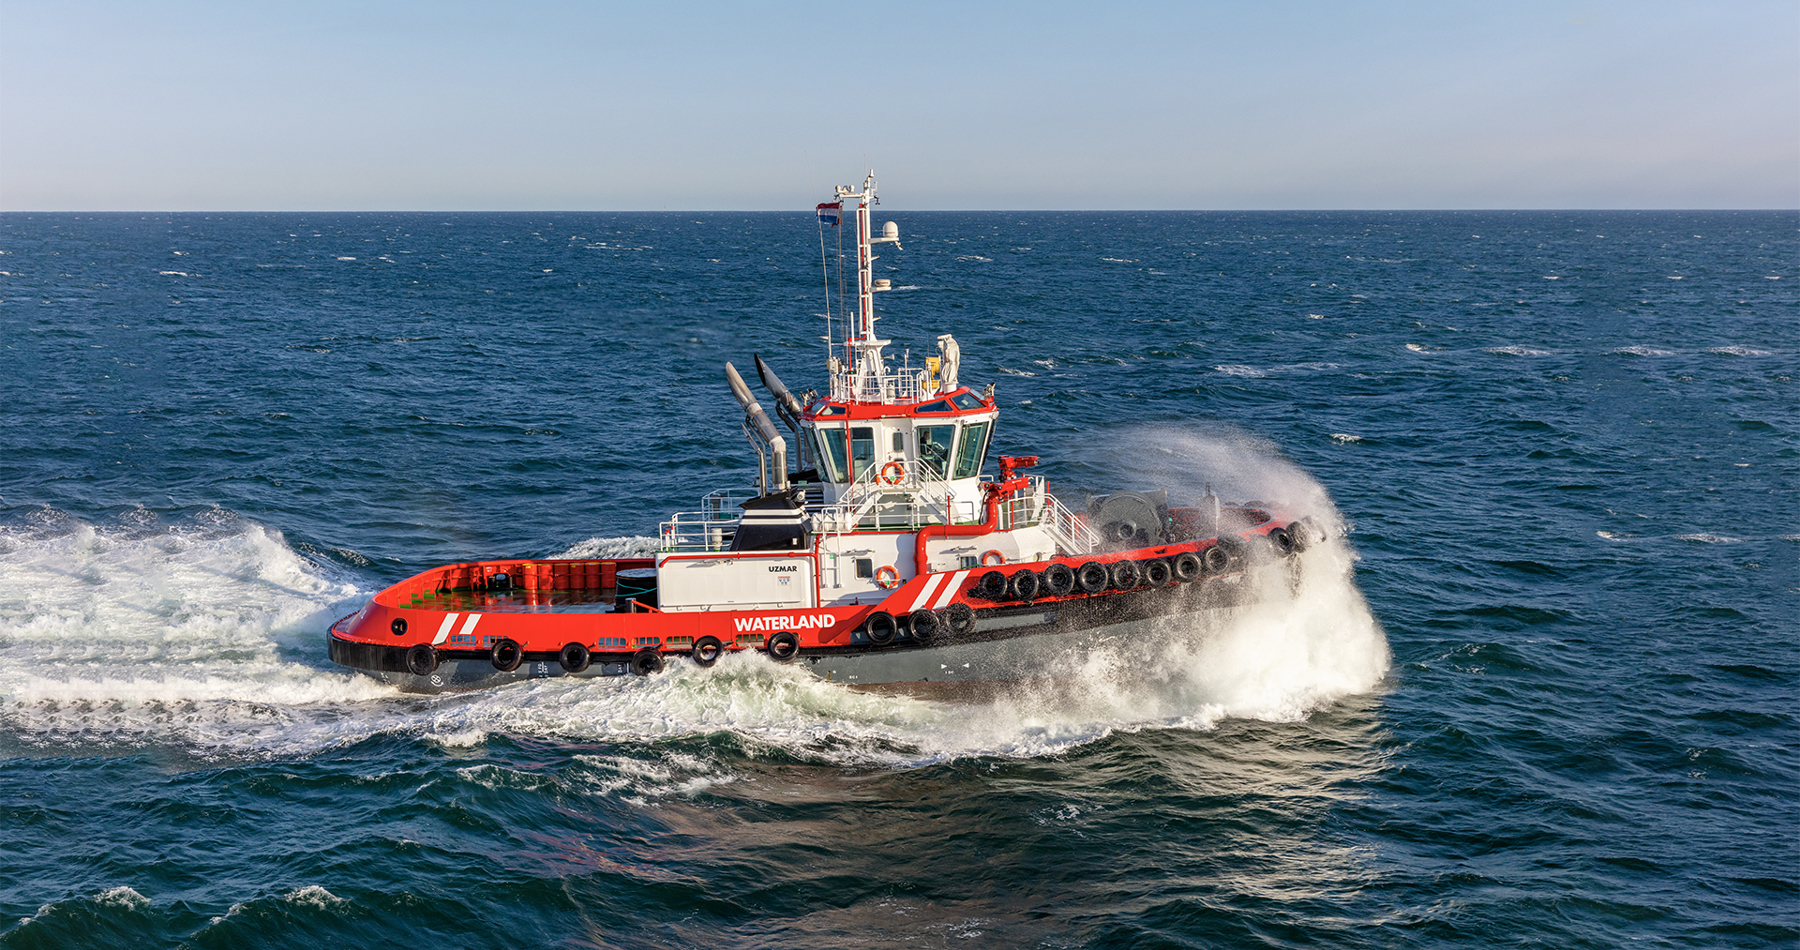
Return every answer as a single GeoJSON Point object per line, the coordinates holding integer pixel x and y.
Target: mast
{"type": "Point", "coordinates": [868, 366]}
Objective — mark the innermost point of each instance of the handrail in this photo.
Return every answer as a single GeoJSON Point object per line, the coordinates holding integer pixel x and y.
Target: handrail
{"type": "Point", "coordinates": [710, 528]}
{"type": "Point", "coordinates": [907, 385]}
{"type": "Point", "coordinates": [926, 500]}
{"type": "Point", "coordinates": [919, 500]}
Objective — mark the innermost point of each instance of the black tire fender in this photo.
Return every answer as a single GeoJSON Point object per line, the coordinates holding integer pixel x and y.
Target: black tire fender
{"type": "Point", "coordinates": [506, 655]}
{"type": "Point", "coordinates": [784, 646]}
{"type": "Point", "coordinates": [993, 585]}
{"type": "Point", "coordinates": [421, 659]}
{"type": "Point", "coordinates": [707, 651]}
{"type": "Point", "coordinates": [1282, 542]}
{"type": "Point", "coordinates": [646, 661]}
{"type": "Point", "coordinates": [1156, 573]}
{"type": "Point", "coordinates": [959, 619]}
{"type": "Point", "coordinates": [881, 628]}
{"type": "Point", "coordinates": [1125, 575]}
{"type": "Point", "coordinates": [1058, 580]}
{"type": "Point", "coordinates": [1302, 533]}
{"type": "Point", "coordinates": [1186, 566]}
{"type": "Point", "coordinates": [574, 657]}
{"type": "Point", "coordinates": [1092, 577]}
{"type": "Point", "coordinates": [925, 624]}
{"type": "Point", "coordinates": [1025, 585]}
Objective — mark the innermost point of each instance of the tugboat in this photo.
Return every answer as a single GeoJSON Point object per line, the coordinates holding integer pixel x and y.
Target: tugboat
{"type": "Point", "coordinates": [871, 549]}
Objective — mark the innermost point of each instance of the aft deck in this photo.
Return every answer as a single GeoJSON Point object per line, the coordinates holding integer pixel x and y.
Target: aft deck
{"type": "Point", "coordinates": [584, 585]}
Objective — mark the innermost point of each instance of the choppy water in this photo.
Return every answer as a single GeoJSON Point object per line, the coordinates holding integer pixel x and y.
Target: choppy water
{"type": "Point", "coordinates": [1544, 695]}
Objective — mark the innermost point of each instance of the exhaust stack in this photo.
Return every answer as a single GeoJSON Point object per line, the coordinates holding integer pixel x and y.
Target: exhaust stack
{"type": "Point", "coordinates": [786, 405]}
{"type": "Point", "coordinates": [761, 432]}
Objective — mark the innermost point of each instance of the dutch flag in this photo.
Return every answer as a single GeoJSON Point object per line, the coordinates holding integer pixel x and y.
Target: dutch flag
{"type": "Point", "coordinates": [830, 212]}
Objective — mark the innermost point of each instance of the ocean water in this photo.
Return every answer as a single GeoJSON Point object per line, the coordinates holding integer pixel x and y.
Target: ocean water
{"type": "Point", "coordinates": [1540, 692]}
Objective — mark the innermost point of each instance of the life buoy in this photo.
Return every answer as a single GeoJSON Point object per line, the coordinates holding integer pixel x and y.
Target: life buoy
{"type": "Point", "coordinates": [893, 473]}
{"type": "Point", "coordinates": [887, 578]}
{"type": "Point", "coordinates": [992, 559]}
{"type": "Point", "coordinates": [573, 657]}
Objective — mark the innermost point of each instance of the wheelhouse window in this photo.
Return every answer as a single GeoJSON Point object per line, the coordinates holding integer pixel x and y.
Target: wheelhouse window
{"type": "Point", "coordinates": [973, 450]}
{"type": "Point", "coordinates": [934, 448]}
{"type": "Point", "coordinates": [831, 452]}
{"type": "Point", "coordinates": [862, 450]}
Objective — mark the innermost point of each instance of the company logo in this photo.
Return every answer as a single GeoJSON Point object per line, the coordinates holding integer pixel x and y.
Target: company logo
{"type": "Point", "coordinates": [799, 622]}
{"type": "Point", "coordinates": [784, 568]}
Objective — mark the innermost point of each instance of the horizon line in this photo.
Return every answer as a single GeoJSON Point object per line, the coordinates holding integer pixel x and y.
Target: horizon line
{"type": "Point", "coordinates": [803, 211]}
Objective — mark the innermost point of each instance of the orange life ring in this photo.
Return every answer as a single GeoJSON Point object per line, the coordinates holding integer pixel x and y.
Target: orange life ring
{"type": "Point", "coordinates": [888, 578]}
{"type": "Point", "coordinates": [893, 473]}
{"type": "Point", "coordinates": [992, 559]}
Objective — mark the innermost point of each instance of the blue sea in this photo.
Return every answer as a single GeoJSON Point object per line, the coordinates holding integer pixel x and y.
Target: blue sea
{"type": "Point", "coordinates": [1542, 690]}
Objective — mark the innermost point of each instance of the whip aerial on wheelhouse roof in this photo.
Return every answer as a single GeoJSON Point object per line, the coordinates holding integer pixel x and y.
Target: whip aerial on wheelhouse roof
{"type": "Point", "coordinates": [872, 548]}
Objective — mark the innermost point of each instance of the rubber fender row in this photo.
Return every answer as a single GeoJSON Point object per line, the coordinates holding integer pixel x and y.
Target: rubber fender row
{"type": "Point", "coordinates": [1093, 577]}
{"type": "Point", "coordinates": [1296, 537]}
{"type": "Point", "coordinates": [925, 625]}
{"type": "Point", "coordinates": [506, 655]}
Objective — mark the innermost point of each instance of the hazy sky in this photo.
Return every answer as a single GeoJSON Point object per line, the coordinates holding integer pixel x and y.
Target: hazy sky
{"type": "Point", "coordinates": [443, 105]}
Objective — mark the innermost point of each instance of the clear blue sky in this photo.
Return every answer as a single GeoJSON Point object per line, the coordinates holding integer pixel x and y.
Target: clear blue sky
{"type": "Point", "coordinates": [444, 104]}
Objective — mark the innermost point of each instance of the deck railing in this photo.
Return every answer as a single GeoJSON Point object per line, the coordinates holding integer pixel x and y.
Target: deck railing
{"type": "Point", "coordinates": [709, 529]}
{"type": "Point", "coordinates": [906, 385]}
{"type": "Point", "coordinates": [871, 505]}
